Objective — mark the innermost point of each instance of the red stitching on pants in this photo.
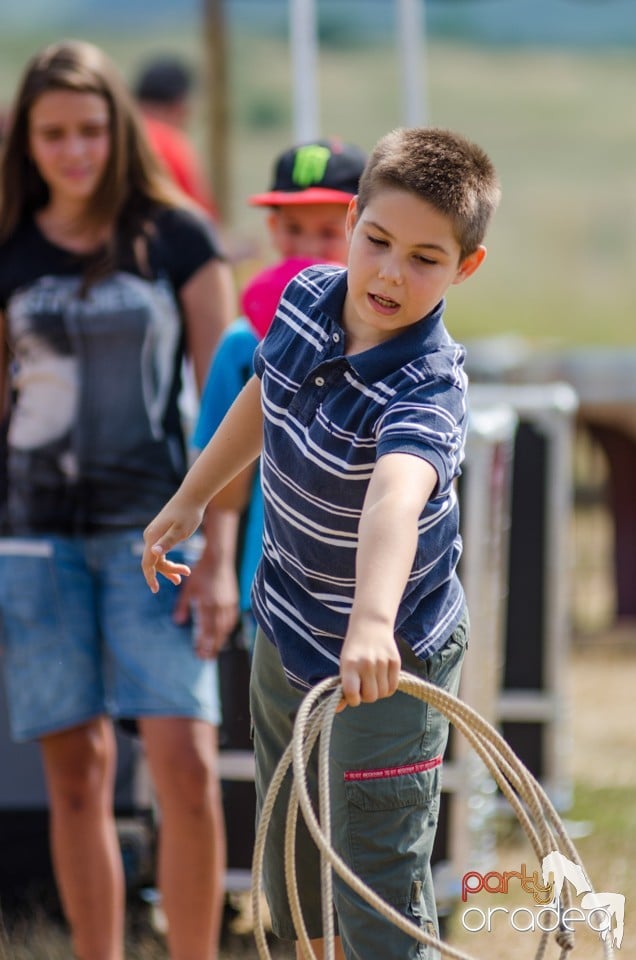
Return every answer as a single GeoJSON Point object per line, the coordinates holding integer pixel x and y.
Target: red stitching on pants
{"type": "Point", "coordinates": [382, 773]}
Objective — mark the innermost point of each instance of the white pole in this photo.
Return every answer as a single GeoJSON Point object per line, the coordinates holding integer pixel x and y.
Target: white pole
{"type": "Point", "coordinates": [412, 52]}
{"type": "Point", "coordinates": [303, 35]}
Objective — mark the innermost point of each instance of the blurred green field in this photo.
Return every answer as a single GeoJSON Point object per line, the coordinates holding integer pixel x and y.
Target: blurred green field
{"type": "Point", "coordinates": [558, 124]}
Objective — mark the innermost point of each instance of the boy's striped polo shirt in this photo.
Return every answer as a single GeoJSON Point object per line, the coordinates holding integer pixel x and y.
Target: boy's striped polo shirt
{"type": "Point", "coordinates": [327, 419]}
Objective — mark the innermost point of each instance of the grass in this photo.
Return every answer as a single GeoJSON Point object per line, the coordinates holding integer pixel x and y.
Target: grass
{"type": "Point", "coordinates": [607, 815]}
{"type": "Point", "coordinates": [37, 934]}
{"type": "Point", "coordinates": [608, 851]}
{"type": "Point", "coordinates": [556, 123]}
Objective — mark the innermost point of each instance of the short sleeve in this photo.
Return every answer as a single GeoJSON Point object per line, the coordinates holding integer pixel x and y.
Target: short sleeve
{"type": "Point", "coordinates": [184, 241]}
{"type": "Point", "coordinates": [258, 361]}
{"type": "Point", "coordinates": [428, 422]}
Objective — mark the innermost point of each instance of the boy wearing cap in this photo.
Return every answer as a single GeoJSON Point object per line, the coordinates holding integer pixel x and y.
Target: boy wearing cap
{"type": "Point", "coordinates": [312, 186]}
{"type": "Point", "coordinates": [358, 410]}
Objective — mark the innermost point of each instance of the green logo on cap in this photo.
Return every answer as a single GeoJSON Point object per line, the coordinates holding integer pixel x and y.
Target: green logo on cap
{"type": "Point", "coordinates": [310, 164]}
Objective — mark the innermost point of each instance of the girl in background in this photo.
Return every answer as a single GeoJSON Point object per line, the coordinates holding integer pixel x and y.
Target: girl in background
{"type": "Point", "coordinates": [107, 277]}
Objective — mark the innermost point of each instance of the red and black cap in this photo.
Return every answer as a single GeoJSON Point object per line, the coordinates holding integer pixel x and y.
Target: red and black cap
{"type": "Point", "coordinates": [322, 171]}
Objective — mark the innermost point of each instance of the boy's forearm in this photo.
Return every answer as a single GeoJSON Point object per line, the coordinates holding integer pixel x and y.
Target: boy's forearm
{"type": "Point", "coordinates": [388, 536]}
{"type": "Point", "coordinates": [386, 548]}
{"type": "Point", "coordinates": [387, 541]}
{"type": "Point", "coordinates": [235, 444]}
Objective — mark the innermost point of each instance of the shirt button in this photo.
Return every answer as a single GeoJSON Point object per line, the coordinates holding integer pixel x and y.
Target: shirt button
{"type": "Point", "coordinates": [336, 338]}
{"type": "Point", "coordinates": [319, 381]}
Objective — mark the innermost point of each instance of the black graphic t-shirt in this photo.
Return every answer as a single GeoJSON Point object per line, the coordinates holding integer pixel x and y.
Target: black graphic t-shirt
{"type": "Point", "coordinates": [94, 435]}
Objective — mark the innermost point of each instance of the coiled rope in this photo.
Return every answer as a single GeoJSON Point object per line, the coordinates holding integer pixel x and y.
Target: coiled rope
{"type": "Point", "coordinates": [315, 718]}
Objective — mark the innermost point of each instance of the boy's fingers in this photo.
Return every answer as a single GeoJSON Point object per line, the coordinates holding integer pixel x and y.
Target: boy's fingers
{"type": "Point", "coordinates": [154, 562]}
{"type": "Point", "coordinates": [394, 676]}
{"type": "Point", "coordinates": [350, 681]}
{"type": "Point", "coordinates": [160, 545]}
{"type": "Point", "coordinates": [174, 572]}
{"type": "Point", "coordinates": [367, 686]}
{"type": "Point", "coordinates": [149, 569]}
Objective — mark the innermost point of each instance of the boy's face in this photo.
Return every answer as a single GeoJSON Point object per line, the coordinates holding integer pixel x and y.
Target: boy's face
{"type": "Point", "coordinates": [316, 230]}
{"type": "Point", "coordinates": [403, 256]}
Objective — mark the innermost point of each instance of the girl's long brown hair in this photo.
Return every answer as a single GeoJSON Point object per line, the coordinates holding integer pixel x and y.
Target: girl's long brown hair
{"type": "Point", "coordinates": [133, 183]}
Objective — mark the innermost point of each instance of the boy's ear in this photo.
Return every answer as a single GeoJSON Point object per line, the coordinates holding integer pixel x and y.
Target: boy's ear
{"type": "Point", "coordinates": [351, 218]}
{"type": "Point", "coordinates": [272, 218]}
{"type": "Point", "coordinates": [469, 264]}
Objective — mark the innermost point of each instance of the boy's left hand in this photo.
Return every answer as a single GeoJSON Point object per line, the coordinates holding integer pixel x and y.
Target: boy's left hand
{"type": "Point", "coordinates": [369, 664]}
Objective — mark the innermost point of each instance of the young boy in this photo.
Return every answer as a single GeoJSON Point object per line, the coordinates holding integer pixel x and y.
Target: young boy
{"type": "Point", "coordinates": [359, 406]}
{"type": "Point", "coordinates": [312, 186]}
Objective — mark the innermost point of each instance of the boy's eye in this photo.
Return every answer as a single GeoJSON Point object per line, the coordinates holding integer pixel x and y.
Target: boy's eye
{"type": "Point", "coordinates": [427, 260]}
{"type": "Point", "coordinates": [377, 241]}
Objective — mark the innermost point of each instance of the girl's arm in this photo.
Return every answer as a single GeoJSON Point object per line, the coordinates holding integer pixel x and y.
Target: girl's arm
{"type": "Point", "coordinates": [235, 445]}
{"type": "Point", "coordinates": [4, 359]}
{"type": "Point", "coordinates": [399, 489]}
{"type": "Point", "coordinates": [208, 303]}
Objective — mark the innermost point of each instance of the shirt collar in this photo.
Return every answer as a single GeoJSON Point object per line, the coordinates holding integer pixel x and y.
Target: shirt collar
{"type": "Point", "coordinates": [417, 340]}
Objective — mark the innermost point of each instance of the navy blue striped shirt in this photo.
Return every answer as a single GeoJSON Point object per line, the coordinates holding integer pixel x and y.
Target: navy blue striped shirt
{"type": "Point", "coordinates": [327, 419]}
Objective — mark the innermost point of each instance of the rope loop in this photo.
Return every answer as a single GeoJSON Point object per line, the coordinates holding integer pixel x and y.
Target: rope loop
{"type": "Point", "coordinates": [535, 812]}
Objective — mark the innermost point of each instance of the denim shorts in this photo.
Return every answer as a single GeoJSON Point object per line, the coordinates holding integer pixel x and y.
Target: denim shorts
{"type": "Point", "coordinates": [385, 780]}
{"type": "Point", "coordinates": [83, 636]}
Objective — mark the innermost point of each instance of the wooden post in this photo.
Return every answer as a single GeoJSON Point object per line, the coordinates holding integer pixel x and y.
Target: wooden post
{"type": "Point", "coordinates": [215, 37]}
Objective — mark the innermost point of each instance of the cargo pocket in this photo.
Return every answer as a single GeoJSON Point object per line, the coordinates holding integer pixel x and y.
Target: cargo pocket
{"type": "Point", "coordinates": [392, 821]}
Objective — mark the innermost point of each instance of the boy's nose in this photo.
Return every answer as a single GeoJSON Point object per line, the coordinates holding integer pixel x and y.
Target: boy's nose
{"type": "Point", "coordinates": [390, 271]}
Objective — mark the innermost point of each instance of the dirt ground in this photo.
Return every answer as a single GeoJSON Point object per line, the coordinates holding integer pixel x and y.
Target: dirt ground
{"type": "Point", "coordinates": [603, 699]}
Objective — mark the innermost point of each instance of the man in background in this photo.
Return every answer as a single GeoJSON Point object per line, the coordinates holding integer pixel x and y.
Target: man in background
{"type": "Point", "coordinates": [163, 89]}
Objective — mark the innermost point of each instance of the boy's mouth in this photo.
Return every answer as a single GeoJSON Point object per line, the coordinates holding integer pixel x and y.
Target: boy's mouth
{"type": "Point", "coordinates": [385, 303]}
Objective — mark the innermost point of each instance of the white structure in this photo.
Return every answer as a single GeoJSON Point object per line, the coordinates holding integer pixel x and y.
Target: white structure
{"type": "Point", "coordinates": [304, 52]}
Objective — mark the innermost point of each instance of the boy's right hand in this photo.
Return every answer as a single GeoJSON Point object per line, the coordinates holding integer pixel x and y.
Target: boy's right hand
{"type": "Point", "coordinates": [370, 662]}
{"type": "Point", "coordinates": [176, 522]}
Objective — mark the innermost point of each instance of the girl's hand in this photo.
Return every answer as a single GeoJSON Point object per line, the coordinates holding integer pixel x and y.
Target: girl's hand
{"type": "Point", "coordinates": [212, 597]}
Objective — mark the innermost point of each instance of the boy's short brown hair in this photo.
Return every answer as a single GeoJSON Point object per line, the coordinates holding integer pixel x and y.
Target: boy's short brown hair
{"type": "Point", "coordinates": [441, 167]}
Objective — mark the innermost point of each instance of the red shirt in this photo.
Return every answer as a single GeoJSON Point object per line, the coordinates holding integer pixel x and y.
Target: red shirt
{"type": "Point", "coordinates": [180, 160]}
